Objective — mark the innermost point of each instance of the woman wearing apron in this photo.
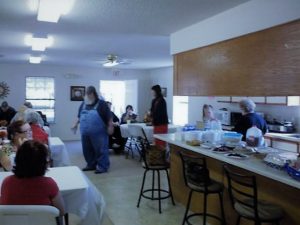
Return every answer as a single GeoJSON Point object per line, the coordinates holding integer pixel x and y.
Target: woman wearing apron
{"type": "Point", "coordinates": [95, 122]}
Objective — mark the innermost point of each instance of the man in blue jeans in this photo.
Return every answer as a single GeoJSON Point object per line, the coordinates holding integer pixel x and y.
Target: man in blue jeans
{"type": "Point", "coordinates": [95, 121]}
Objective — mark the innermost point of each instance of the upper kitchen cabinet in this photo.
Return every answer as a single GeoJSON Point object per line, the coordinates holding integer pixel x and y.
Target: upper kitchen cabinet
{"type": "Point", "coordinates": [281, 100]}
{"type": "Point", "coordinates": [264, 63]}
{"type": "Point", "coordinates": [223, 98]}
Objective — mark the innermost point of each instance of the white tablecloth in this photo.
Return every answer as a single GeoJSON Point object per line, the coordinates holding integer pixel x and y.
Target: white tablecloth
{"type": "Point", "coordinates": [59, 153]}
{"type": "Point", "coordinates": [148, 130]}
{"type": "Point", "coordinates": [80, 196]}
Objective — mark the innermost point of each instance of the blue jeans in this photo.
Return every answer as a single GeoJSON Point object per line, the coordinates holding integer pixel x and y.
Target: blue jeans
{"type": "Point", "coordinates": [95, 151]}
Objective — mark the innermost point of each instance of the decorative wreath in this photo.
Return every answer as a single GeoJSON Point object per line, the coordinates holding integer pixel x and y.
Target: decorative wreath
{"type": "Point", "coordinates": [4, 90]}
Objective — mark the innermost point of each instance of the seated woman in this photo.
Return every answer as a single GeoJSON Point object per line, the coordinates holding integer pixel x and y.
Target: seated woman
{"type": "Point", "coordinates": [38, 133]}
{"type": "Point", "coordinates": [28, 185]}
{"type": "Point", "coordinates": [209, 120]}
{"type": "Point", "coordinates": [249, 118]}
{"type": "Point", "coordinates": [115, 139]}
{"type": "Point", "coordinates": [17, 133]}
{"type": "Point", "coordinates": [129, 115]}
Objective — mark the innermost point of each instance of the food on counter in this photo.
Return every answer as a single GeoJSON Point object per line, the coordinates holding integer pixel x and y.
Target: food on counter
{"type": "Point", "coordinates": [193, 143]}
{"type": "Point", "coordinates": [254, 137]}
{"type": "Point", "coordinates": [232, 139]}
{"type": "Point", "coordinates": [222, 149]}
{"type": "Point", "coordinates": [237, 156]}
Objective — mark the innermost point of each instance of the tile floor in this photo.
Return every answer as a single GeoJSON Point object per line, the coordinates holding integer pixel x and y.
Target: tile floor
{"type": "Point", "coordinates": [120, 187]}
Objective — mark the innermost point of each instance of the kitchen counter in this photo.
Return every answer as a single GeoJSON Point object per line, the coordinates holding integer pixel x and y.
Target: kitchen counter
{"type": "Point", "coordinates": [252, 164]}
{"type": "Point", "coordinates": [282, 137]}
{"type": "Point", "coordinates": [273, 185]}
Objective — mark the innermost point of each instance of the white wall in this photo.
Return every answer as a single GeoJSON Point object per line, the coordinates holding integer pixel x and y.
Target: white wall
{"type": "Point", "coordinates": [246, 18]}
{"type": "Point", "coordinates": [164, 77]}
{"type": "Point", "coordinates": [66, 111]}
{"type": "Point", "coordinates": [281, 113]}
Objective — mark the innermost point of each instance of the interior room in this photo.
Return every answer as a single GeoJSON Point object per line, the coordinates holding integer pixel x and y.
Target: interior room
{"type": "Point", "coordinates": [149, 112]}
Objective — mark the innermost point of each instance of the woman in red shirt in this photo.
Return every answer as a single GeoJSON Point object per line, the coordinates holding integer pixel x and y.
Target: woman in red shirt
{"type": "Point", "coordinates": [38, 133]}
{"type": "Point", "coordinates": [28, 185]}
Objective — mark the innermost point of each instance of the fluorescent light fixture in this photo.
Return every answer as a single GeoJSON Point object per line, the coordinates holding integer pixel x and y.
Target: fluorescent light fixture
{"type": "Point", "coordinates": [33, 5]}
{"type": "Point", "coordinates": [110, 64]}
{"type": "Point", "coordinates": [51, 10]}
{"type": "Point", "coordinates": [38, 44]}
{"type": "Point", "coordinates": [35, 60]}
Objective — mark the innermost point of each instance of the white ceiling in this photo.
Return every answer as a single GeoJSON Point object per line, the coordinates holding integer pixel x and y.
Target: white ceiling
{"type": "Point", "coordinates": [133, 29]}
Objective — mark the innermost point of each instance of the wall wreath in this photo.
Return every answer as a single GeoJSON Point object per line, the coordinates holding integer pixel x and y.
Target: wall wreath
{"type": "Point", "coordinates": [4, 90]}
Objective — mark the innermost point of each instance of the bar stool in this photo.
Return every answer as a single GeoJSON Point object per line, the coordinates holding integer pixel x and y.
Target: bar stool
{"type": "Point", "coordinates": [244, 199]}
{"type": "Point", "coordinates": [154, 169]}
{"type": "Point", "coordinates": [196, 178]}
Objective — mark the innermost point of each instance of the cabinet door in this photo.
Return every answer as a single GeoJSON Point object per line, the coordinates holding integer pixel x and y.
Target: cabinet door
{"type": "Point", "coordinates": [223, 99]}
{"type": "Point", "coordinates": [237, 98]}
{"type": "Point", "coordinates": [293, 101]}
{"type": "Point", "coordinates": [260, 99]}
{"type": "Point", "coordinates": [281, 100]}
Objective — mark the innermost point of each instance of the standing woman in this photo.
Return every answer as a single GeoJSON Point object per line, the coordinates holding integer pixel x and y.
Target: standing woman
{"type": "Point", "coordinates": [159, 114]}
{"type": "Point", "coordinates": [95, 121]}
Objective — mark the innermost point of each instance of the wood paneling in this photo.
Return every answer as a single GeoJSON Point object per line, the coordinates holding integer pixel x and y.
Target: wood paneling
{"type": "Point", "coordinates": [275, 192]}
{"type": "Point", "coordinates": [264, 63]}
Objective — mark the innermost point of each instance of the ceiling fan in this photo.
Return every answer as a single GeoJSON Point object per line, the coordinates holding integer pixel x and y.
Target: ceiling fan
{"type": "Point", "coordinates": [113, 60]}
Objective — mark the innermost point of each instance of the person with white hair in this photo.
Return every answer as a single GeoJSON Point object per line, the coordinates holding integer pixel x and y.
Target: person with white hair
{"type": "Point", "coordinates": [249, 118]}
{"type": "Point", "coordinates": [38, 133]}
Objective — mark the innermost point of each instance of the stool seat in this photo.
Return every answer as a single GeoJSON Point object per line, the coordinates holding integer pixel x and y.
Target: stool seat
{"type": "Point", "coordinates": [266, 210]}
{"type": "Point", "coordinates": [213, 187]}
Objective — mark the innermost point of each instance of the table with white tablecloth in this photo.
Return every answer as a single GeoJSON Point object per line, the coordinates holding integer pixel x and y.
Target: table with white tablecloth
{"type": "Point", "coordinates": [59, 153]}
{"type": "Point", "coordinates": [81, 197]}
{"type": "Point", "coordinates": [148, 130]}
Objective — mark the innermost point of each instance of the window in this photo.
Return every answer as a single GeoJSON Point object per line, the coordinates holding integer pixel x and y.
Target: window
{"type": "Point", "coordinates": [180, 110]}
{"type": "Point", "coordinates": [120, 93]}
{"type": "Point", "coordinates": [40, 92]}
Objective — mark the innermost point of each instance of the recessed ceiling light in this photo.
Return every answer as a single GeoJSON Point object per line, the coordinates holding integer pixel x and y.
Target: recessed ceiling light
{"type": "Point", "coordinates": [51, 10]}
{"type": "Point", "coordinates": [37, 43]}
{"type": "Point", "coordinates": [35, 60]}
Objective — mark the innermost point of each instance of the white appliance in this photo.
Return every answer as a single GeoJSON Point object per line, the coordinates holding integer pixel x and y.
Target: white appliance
{"type": "Point", "coordinates": [224, 116]}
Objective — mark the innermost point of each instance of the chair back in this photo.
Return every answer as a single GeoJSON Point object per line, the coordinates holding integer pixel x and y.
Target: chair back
{"type": "Point", "coordinates": [29, 215]}
{"type": "Point", "coordinates": [195, 170]}
{"type": "Point", "coordinates": [242, 189]}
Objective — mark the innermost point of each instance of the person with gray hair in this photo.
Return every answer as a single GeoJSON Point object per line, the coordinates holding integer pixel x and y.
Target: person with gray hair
{"type": "Point", "coordinates": [38, 133]}
{"type": "Point", "coordinates": [249, 118]}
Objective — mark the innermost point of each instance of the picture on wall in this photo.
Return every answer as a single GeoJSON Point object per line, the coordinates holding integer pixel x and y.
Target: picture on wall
{"type": "Point", "coordinates": [77, 93]}
{"type": "Point", "coordinates": [164, 92]}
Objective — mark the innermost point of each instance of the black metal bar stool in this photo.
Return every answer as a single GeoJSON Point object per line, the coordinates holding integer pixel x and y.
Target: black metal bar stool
{"type": "Point", "coordinates": [196, 178]}
{"type": "Point", "coordinates": [244, 199]}
{"type": "Point", "coordinates": [154, 191]}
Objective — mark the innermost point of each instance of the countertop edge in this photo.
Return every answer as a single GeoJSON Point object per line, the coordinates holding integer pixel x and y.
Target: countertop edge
{"type": "Point", "coordinates": [267, 171]}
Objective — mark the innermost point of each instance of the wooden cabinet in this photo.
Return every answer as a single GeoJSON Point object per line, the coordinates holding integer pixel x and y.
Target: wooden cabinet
{"type": "Point", "coordinates": [264, 63]}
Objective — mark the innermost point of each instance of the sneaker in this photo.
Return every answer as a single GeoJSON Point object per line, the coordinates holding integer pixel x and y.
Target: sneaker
{"type": "Point", "coordinates": [98, 171]}
{"type": "Point", "coordinates": [116, 145]}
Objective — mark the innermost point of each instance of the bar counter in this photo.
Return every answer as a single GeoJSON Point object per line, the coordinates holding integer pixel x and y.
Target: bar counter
{"type": "Point", "coordinates": [273, 185]}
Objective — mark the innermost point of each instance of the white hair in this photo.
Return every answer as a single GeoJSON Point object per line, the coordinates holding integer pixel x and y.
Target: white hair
{"type": "Point", "coordinates": [247, 105]}
{"type": "Point", "coordinates": [32, 116]}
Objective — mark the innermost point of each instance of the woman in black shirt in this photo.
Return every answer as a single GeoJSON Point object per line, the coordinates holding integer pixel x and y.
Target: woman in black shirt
{"type": "Point", "coordinates": [159, 114]}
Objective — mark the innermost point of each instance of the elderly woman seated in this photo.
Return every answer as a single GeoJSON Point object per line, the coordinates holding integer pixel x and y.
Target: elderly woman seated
{"type": "Point", "coordinates": [17, 133]}
{"type": "Point", "coordinates": [28, 185]}
{"type": "Point", "coordinates": [38, 132]}
{"type": "Point", "coordinates": [249, 118]}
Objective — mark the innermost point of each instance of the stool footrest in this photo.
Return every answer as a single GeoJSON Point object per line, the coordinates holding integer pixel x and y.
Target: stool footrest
{"type": "Point", "coordinates": [201, 215]}
{"type": "Point", "coordinates": [156, 191]}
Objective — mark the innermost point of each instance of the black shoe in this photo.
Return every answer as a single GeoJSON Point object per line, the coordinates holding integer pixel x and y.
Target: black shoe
{"type": "Point", "coordinates": [98, 171]}
{"type": "Point", "coordinates": [88, 168]}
